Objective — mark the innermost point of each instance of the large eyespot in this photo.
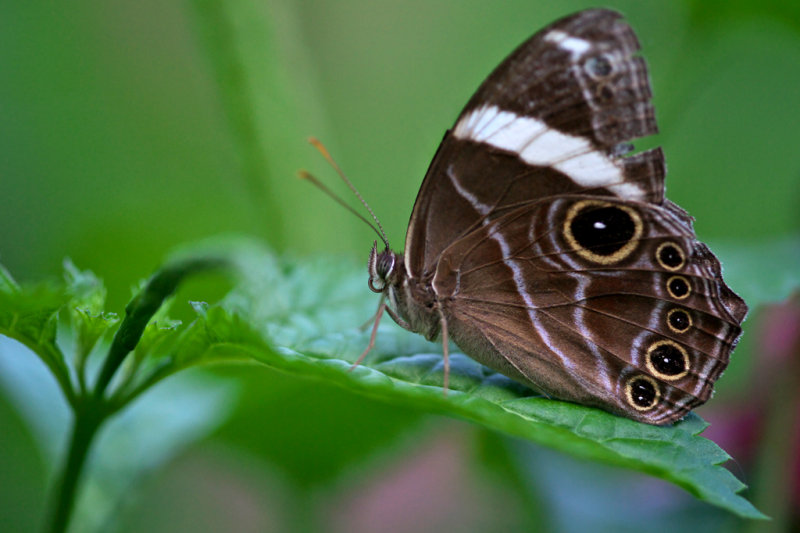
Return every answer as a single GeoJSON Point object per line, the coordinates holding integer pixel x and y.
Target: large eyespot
{"type": "Point", "coordinates": [602, 232]}
{"type": "Point", "coordinates": [678, 287]}
{"type": "Point", "coordinates": [667, 360]}
{"type": "Point", "coordinates": [670, 256]}
{"type": "Point", "coordinates": [679, 320]}
{"type": "Point", "coordinates": [642, 392]}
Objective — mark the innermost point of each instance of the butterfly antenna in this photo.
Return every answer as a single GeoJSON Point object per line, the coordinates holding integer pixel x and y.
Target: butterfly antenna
{"type": "Point", "coordinates": [324, 151]}
{"type": "Point", "coordinates": [302, 174]}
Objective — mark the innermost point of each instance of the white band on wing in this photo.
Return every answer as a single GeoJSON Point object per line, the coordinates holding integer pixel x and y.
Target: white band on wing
{"type": "Point", "coordinates": [538, 144]}
{"type": "Point", "coordinates": [573, 45]}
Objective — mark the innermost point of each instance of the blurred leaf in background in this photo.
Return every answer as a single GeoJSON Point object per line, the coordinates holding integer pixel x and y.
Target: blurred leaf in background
{"type": "Point", "coordinates": [130, 128]}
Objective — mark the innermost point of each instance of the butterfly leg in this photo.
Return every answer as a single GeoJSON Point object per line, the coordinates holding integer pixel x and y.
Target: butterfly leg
{"type": "Point", "coordinates": [378, 315]}
{"type": "Point", "coordinates": [398, 319]}
{"type": "Point", "coordinates": [363, 327]}
{"type": "Point", "coordinates": [445, 353]}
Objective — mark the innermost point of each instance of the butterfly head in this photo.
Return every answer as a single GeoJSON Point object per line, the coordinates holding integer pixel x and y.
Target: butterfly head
{"type": "Point", "coordinates": [382, 268]}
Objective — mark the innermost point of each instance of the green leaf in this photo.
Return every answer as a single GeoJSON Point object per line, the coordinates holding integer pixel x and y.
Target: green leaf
{"type": "Point", "coordinates": [147, 303]}
{"type": "Point", "coordinates": [29, 314]}
{"type": "Point", "coordinates": [87, 319]}
{"type": "Point", "coordinates": [302, 318]}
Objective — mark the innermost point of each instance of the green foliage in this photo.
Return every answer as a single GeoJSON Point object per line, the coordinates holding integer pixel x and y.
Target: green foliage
{"type": "Point", "coordinates": [196, 125]}
{"type": "Point", "coordinates": [297, 317]}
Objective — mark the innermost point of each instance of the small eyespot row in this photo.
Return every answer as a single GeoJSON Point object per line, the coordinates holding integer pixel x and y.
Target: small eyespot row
{"type": "Point", "coordinates": [679, 320]}
{"type": "Point", "coordinates": [667, 360]}
{"type": "Point", "coordinates": [670, 256]}
{"type": "Point", "coordinates": [679, 287]}
{"type": "Point", "coordinates": [642, 392]}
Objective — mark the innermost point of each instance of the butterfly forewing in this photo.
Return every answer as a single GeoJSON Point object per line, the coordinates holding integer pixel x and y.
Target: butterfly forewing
{"type": "Point", "coordinates": [579, 76]}
{"type": "Point", "coordinates": [547, 121]}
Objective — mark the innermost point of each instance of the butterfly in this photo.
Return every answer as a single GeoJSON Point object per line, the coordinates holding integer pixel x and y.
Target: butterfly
{"type": "Point", "coordinates": [547, 251]}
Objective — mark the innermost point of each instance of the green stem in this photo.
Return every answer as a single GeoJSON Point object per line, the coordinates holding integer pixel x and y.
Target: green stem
{"type": "Point", "coordinates": [88, 419]}
{"type": "Point", "coordinates": [220, 33]}
{"type": "Point", "coordinates": [92, 409]}
{"type": "Point", "coordinates": [142, 308]}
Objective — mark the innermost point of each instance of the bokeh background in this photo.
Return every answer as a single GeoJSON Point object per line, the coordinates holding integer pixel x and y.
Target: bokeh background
{"type": "Point", "coordinates": [130, 128]}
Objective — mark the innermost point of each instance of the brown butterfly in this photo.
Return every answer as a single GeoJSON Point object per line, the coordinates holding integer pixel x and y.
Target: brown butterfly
{"type": "Point", "coordinates": [547, 253]}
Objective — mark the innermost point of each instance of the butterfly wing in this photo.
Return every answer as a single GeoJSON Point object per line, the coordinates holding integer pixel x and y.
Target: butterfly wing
{"type": "Point", "coordinates": [551, 119]}
{"type": "Point", "coordinates": [594, 325]}
{"type": "Point", "coordinates": [553, 257]}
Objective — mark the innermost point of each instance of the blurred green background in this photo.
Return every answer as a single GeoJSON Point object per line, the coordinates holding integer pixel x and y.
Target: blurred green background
{"type": "Point", "coordinates": [128, 128]}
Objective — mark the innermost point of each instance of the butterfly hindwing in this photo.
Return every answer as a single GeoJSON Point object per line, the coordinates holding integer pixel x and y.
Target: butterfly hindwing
{"type": "Point", "coordinates": [583, 324]}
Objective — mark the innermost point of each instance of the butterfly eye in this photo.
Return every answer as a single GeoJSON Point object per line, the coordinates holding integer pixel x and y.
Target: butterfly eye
{"type": "Point", "coordinates": [670, 256]}
{"type": "Point", "coordinates": [679, 320]}
{"type": "Point", "coordinates": [385, 264]}
{"type": "Point", "coordinates": [642, 393]}
{"type": "Point", "coordinates": [602, 232]}
{"type": "Point", "coordinates": [380, 266]}
{"type": "Point", "coordinates": [678, 287]}
{"type": "Point", "coordinates": [667, 360]}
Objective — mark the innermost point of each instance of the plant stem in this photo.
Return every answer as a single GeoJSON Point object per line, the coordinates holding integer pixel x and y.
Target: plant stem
{"type": "Point", "coordinates": [141, 309]}
{"type": "Point", "coordinates": [223, 39]}
{"type": "Point", "coordinates": [92, 409]}
{"type": "Point", "coordinates": [88, 419]}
